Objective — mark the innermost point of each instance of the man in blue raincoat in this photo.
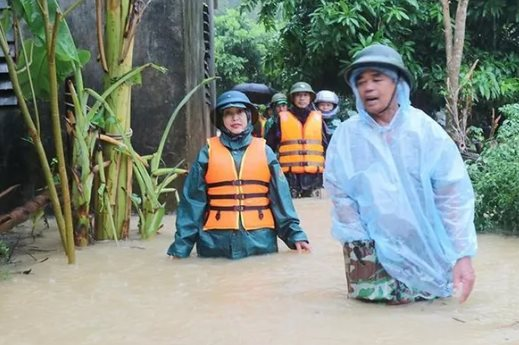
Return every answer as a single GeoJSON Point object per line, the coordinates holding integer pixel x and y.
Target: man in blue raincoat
{"type": "Point", "coordinates": [236, 200]}
{"type": "Point", "coordinates": [403, 204]}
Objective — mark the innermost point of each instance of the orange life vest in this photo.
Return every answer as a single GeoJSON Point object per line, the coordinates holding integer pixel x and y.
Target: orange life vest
{"type": "Point", "coordinates": [301, 147]}
{"type": "Point", "coordinates": [234, 196]}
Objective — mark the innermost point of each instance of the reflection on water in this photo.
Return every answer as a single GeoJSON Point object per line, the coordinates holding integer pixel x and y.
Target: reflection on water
{"type": "Point", "coordinates": [134, 294]}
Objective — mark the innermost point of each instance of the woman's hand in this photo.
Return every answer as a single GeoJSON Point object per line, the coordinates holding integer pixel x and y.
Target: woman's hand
{"type": "Point", "coordinates": [303, 247]}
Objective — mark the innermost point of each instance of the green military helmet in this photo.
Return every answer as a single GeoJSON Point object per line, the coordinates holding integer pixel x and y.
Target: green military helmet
{"type": "Point", "coordinates": [278, 98]}
{"type": "Point", "coordinates": [301, 86]}
{"type": "Point", "coordinates": [379, 55]}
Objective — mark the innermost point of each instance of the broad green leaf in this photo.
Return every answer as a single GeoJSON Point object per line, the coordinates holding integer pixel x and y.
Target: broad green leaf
{"type": "Point", "coordinates": [68, 58]}
{"type": "Point", "coordinates": [31, 13]}
{"type": "Point", "coordinates": [6, 21]}
{"type": "Point", "coordinates": [39, 70]}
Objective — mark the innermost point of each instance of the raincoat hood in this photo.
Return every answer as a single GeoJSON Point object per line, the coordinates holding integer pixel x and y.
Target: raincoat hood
{"type": "Point", "coordinates": [329, 115]}
{"type": "Point", "coordinates": [404, 103]}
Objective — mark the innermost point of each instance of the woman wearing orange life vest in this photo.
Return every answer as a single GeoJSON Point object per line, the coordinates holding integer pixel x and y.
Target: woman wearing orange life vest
{"type": "Point", "coordinates": [300, 138]}
{"type": "Point", "coordinates": [236, 200]}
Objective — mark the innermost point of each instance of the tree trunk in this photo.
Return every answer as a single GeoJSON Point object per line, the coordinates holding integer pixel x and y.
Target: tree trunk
{"type": "Point", "coordinates": [454, 54]}
{"type": "Point", "coordinates": [22, 213]}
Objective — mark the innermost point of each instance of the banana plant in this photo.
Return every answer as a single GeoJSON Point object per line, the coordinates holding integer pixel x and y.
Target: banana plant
{"type": "Point", "coordinates": [86, 125]}
{"type": "Point", "coordinates": [84, 138]}
{"type": "Point", "coordinates": [116, 23]}
{"type": "Point", "coordinates": [152, 177]}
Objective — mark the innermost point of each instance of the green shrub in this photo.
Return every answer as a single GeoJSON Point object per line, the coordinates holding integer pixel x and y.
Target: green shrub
{"type": "Point", "coordinates": [495, 176]}
{"type": "Point", "coordinates": [4, 252]}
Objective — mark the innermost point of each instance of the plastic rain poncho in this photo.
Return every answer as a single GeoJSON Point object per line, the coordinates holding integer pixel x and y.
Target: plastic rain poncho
{"type": "Point", "coordinates": [406, 187]}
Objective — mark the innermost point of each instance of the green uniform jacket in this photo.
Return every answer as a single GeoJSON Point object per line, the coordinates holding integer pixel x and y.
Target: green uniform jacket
{"type": "Point", "coordinates": [231, 243]}
{"type": "Point", "coordinates": [271, 121]}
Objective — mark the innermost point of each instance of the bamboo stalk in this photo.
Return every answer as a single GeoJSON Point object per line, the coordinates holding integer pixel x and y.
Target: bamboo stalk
{"type": "Point", "coordinates": [29, 76]}
{"type": "Point", "coordinates": [36, 140]}
{"type": "Point", "coordinates": [50, 36]}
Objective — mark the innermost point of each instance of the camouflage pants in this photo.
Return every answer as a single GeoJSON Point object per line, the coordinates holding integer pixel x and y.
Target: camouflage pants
{"type": "Point", "coordinates": [368, 280]}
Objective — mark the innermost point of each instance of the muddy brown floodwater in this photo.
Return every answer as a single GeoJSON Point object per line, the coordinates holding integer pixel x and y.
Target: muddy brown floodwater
{"type": "Point", "coordinates": [135, 294]}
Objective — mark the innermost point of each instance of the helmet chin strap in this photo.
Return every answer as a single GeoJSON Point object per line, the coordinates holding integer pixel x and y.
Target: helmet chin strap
{"type": "Point", "coordinates": [390, 100]}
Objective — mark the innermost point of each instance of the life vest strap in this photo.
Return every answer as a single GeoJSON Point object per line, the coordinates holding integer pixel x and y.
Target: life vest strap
{"type": "Point", "coordinates": [301, 164]}
{"type": "Point", "coordinates": [237, 183]}
{"type": "Point", "coordinates": [301, 153]}
{"type": "Point", "coordinates": [238, 208]}
{"type": "Point", "coordinates": [301, 141]}
{"type": "Point", "coordinates": [238, 196]}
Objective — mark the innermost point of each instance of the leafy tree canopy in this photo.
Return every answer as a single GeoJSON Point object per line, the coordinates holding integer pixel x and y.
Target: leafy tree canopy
{"type": "Point", "coordinates": [318, 38]}
{"type": "Point", "coordinates": [240, 49]}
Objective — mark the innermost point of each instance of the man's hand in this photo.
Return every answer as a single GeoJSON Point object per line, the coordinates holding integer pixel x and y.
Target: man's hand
{"type": "Point", "coordinates": [463, 277]}
{"type": "Point", "coordinates": [303, 246]}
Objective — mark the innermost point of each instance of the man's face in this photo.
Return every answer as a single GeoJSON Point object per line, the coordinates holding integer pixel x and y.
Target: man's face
{"type": "Point", "coordinates": [235, 120]}
{"type": "Point", "coordinates": [302, 99]}
{"type": "Point", "coordinates": [281, 107]}
{"type": "Point", "coordinates": [375, 91]}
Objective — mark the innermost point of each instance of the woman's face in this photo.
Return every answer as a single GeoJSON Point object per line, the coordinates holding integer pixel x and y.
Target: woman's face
{"type": "Point", "coordinates": [235, 120]}
{"type": "Point", "coordinates": [325, 106]}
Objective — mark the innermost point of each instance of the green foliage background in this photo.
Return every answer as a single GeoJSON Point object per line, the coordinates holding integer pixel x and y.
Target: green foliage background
{"type": "Point", "coordinates": [241, 46]}
{"type": "Point", "coordinates": [316, 39]}
{"type": "Point", "coordinates": [495, 176]}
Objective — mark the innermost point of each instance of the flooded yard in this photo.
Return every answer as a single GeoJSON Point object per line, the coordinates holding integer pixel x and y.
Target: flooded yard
{"type": "Point", "coordinates": [135, 294]}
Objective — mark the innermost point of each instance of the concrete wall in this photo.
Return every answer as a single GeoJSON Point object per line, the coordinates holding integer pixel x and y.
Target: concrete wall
{"type": "Point", "coordinates": [170, 34]}
{"type": "Point", "coordinates": [18, 161]}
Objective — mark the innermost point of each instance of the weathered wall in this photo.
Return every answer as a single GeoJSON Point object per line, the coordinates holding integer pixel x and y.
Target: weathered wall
{"type": "Point", "coordinates": [171, 35]}
{"type": "Point", "coordinates": [18, 160]}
